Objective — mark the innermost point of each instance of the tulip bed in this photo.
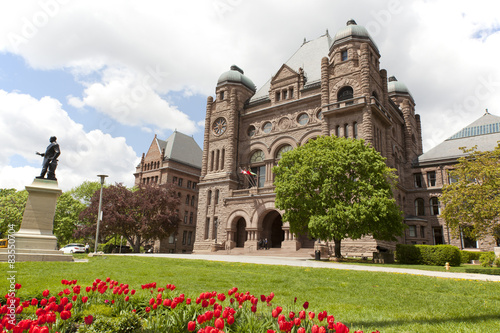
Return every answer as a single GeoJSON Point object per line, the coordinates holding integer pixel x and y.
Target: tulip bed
{"type": "Point", "coordinates": [110, 306]}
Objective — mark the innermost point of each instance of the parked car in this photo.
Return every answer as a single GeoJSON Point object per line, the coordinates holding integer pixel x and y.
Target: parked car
{"type": "Point", "coordinates": [73, 248]}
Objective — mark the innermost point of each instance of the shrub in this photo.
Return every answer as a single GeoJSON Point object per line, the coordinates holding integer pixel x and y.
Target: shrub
{"type": "Point", "coordinates": [435, 255]}
{"type": "Point", "coordinates": [468, 256]}
{"type": "Point", "coordinates": [439, 255]}
{"type": "Point", "coordinates": [490, 271]}
{"type": "Point", "coordinates": [408, 254]}
{"type": "Point", "coordinates": [487, 259]}
{"type": "Point", "coordinates": [497, 262]}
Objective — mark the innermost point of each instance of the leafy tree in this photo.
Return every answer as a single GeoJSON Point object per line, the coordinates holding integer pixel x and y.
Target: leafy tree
{"type": "Point", "coordinates": [85, 191]}
{"type": "Point", "coordinates": [12, 204]}
{"type": "Point", "coordinates": [66, 217]}
{"type": "Point", "coordinates": [337, 188]}
{"type": "Point", "coordinates": [147, 213]}
{"type": "Point", "coordinates": [472, 203]}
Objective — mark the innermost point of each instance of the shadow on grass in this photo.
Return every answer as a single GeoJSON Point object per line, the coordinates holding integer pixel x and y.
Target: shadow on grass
{"type": "Point", "coordinates": [431, 321]}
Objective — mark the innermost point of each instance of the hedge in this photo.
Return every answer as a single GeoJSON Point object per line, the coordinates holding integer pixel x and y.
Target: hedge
{"type": "Point", "coordinates": [468, 256]}
{"type": "Point", "coordinates": [490, 271]}
{"type": "Point", "coordinates": [434, 255]}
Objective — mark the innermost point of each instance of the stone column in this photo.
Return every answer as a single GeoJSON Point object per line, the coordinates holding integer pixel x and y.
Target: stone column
{"type": "Point", "coordinates": [35, 241]}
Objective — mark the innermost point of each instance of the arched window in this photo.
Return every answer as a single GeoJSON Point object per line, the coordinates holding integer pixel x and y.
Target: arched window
{"type": "Point", "coordinates": [419, 207]}
{"type": "Point", "coordinates": [259, 170]}
{"type": "Point", "coordinates": [434, 205]}
{"type": "Point", "coordinates": [345, 93]}
{"type": "Point", "coordinates": [209, 197]}
{"type": "Point", "coordinates": [216, 199]}
{"type": "Point", "coordinates": [346, 130]}
{"type": "Point", "coordinates": [282, 150]}
{"type": "Point", "coordinates": [337, 131]}
{"type": "Point", "coordinates": [355, 130]}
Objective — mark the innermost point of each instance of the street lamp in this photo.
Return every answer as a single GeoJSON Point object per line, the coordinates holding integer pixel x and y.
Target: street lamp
{"type": "Point", "coordinates": [99, 213]}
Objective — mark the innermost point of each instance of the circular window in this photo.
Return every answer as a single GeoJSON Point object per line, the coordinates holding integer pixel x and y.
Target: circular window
{"type": "Point", "coordinates": [267, 127]}
{"type": "Point", "coordinates": [303, 119]}
{"type": "Point", "coordinates": [251, 131]}
{"type": "Point", "coordinates": [219, 126]}
{"type": "Point", "coordinates": [282, 150]}
{"type": "Point", "coordinates": [258, 156]}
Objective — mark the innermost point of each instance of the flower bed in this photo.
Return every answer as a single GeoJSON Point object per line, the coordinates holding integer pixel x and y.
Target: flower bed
{"type": "Point", "coordinates": [109, 306]}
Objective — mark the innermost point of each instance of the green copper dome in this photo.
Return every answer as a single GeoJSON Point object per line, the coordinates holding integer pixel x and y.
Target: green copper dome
{"type": "Point", "coordinates": [352, 30]}
{"type": "Point", "coordinates": [394, 86]}
{"type": "Point", "coordinates": [236, 75]}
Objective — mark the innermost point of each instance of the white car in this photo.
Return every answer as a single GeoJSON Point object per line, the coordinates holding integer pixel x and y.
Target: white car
{"type": "Point", "coordinates": [73, 248]}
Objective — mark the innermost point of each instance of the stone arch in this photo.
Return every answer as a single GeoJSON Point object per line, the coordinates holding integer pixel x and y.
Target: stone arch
{"type": "Point", "coordinates": [280, 142]}
{"type": "Point", "coordinates": [245, 157]}
{"type": "Point", "coordinates": [310, 135]}
{"type": "Point", "coordinates": [354, 84]}
{"type": "Point", "coordinates": [236, 229]}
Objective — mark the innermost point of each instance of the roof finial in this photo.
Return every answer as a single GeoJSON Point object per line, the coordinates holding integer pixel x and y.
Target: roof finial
{"type": "Point", "coordinates": [487, 111]}
{"type": "Point", "coordinates": [327, 32]}
{"type": "Point", "coordinates": [304, 41]}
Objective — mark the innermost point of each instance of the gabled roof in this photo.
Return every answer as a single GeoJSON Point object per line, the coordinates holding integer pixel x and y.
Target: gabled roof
{"type": "Point", "coordinates": [308, 56]}
{"type": "Point", "coordinates": [483, 133]}
{"type": "Point", "coordinates": [182, 148]}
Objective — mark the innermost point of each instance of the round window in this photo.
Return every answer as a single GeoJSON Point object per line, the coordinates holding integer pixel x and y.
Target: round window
{"type": "Point", "coordinates": [258, 156]}
{"type": "Point", "coordinates": [219, 126]}
{"type": "Point", "coordinates": [267, 127]}
{"type": "Point", "coordinates": [251, 131]}
{"type": "Point", "coordinates": [303, 119]}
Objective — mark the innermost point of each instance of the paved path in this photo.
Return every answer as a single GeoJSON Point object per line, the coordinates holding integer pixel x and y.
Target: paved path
{"type": "Point", "coordinates": [307, 262]}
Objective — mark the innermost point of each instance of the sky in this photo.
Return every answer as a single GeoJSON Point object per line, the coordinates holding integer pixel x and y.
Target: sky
{"type": "Point", "coordinates": [106, 76]}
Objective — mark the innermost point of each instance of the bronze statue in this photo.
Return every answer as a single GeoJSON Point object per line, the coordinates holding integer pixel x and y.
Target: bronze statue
{"type": "Point", "coordinates": [50, 159]}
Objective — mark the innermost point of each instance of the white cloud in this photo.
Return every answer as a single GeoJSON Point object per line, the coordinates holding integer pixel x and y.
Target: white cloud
{"type": "Point", "coordinates": [441, 51]}
{"type": "Point", "coordinates": [26, 124]}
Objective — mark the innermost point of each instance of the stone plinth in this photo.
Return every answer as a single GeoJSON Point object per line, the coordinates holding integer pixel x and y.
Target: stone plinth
{"type": "Point", "coordinates": [35, 241]}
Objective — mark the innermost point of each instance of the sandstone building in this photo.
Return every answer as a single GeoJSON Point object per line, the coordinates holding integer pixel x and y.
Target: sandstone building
{"type": "Point", "coordinates": [176, 160]}
{"type": "Point", "coordinates": [330, 86]}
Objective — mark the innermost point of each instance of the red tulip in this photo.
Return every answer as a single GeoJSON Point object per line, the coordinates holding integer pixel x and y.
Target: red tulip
{"type": "Point", "coordinates": [305, 305]}
{"type": "Point", "coordinates": [315, 329]}
{"type": "Point", "coordinates": [88, 320]}
{"type": "Point", "coordinates": [45, 293]}
{"type": "Point", "coordinates": [191, 326]}
{"type": "Point", "coordinates": [147, 309]}
{"type": "Point", "coordinates": [301, 330]}
{"type": "Point", "coordinates": [230, 320]}
{"type": "Point", "coordinates": [311, 315]}
{"type": "Point", "coordinates": [322, 329]}
{"type": "Point", "coordinates": [340, 328]}
{"type": "Point", "coordinates": [219, 323]}
{"type": "Point", "coordinates": [65, 315]}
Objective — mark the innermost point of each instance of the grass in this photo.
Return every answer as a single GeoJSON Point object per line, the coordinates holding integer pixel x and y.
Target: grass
{"type": "Point", "coordinates": [369, 301]}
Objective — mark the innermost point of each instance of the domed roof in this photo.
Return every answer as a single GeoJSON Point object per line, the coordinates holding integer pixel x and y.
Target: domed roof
{"type": "Point", "coordinates": [394, 86]}
{"type": "Point", "coordinates": [235, 75]}
{"type": "Point", "coordinates": [352, 30]}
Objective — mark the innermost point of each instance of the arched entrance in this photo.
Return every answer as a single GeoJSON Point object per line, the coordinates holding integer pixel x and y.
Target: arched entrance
{"type": "Point", "coordinates": [272, 229]}
{"type": "Point", "coordinates": [241, 233]}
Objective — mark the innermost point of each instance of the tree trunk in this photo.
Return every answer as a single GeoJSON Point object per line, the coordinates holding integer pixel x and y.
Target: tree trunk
{"type": "Point", "coordinates": [337, 248]}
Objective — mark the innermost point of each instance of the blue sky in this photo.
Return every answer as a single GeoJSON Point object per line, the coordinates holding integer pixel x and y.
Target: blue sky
{"type": "Point", "coordinates": [105, 76]}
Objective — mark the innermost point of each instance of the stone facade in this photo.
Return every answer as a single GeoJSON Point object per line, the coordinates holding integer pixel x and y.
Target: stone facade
{"type": "Point", "coordinates": [331, 86]}
{"type": "Point", "coordinates": [162, 164]}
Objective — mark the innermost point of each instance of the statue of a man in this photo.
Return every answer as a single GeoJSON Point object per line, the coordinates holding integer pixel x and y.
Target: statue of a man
{"type": "Point", "coordinates": [50, 159]}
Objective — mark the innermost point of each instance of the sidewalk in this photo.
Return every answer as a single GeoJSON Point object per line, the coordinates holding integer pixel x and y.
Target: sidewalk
{"type": "Point", "coordinates": [307, 262]}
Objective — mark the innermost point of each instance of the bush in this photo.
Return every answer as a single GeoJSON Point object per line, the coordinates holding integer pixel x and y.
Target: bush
{"type": "Point", "coordinates": [487, 259]}
{"type": "Point", "coordinates": [468, 256]}
{"type": "Point", "coordinates": [497, 262]}
{"type": "Point", "coordinates": [408, 254]}
{"type": "Point", "coordinates": [490, 271]}
{"type": "Point", "coordinates": [434, 255]}
{"type": "Point", "coordinates": [439, 255]}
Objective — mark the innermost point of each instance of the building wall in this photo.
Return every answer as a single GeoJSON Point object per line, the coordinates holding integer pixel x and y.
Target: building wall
{"type": "Point", "coordinates": [154, 168]}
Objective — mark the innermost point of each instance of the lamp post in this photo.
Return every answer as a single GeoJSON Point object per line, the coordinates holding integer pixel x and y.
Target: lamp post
{"type": "Point", "coordinates": [99, 214]}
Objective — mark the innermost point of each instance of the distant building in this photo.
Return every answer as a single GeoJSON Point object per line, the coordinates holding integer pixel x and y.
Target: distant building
{"type": "Point", "coordinates": [329, 86]}
{"type": "Point", "coordinates": [176, 160]}
{"type": "Point", "coordinates": [430, 172]}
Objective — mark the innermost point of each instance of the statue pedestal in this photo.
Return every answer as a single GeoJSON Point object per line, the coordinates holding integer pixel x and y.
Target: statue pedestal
{"type": "Point", "coordinates": [35, 241]}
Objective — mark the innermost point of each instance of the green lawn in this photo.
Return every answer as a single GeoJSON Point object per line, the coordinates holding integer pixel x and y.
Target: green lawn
{"type": "Point", "coordinates": [388, 302]}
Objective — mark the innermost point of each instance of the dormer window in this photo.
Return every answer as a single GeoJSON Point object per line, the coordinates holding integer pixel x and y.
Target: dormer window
{"type": "Point", "coordinates": [343, 55]}
{"type": "Point", "coordinates": [278, 96]}
{"type": "Point", "coordinates": [291, 92]}
{"type": "Point", "coordinates": [285, 94]}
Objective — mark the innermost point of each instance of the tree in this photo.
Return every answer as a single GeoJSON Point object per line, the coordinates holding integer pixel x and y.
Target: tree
{"type": "Point", "coordinates": [12, 204]}
{"type": "Point", "coordinates": [147, 213]}
{"type": "Point", "coordinates": [66, 217]}
{"type": "Point", "coordinates": [472, 203]}
{"type": "Point", "coordinates": [337, 188]}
